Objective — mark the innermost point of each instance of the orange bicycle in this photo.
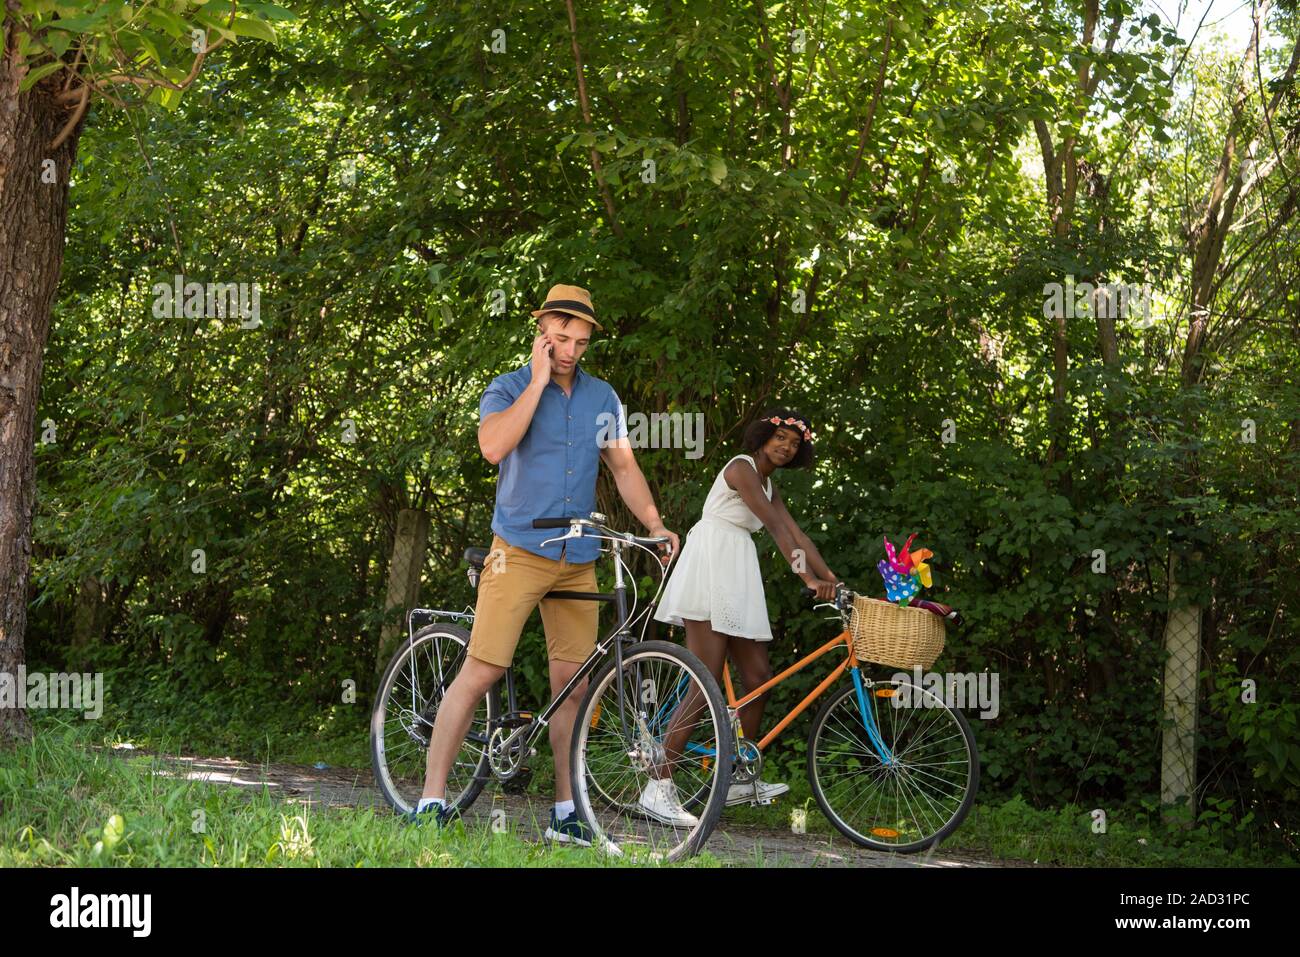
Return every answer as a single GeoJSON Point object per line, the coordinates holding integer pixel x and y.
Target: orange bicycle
{"type": "Point", "coordinates": [890, 764]}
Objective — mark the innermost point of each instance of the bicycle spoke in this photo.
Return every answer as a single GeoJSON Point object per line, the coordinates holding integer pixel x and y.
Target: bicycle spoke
{"type": "Point", "coordinates": [620, 760]}
{"type": "Point", "coordinates": [911, 797]}
{"type": "Point", "coordinates": [428, 666]}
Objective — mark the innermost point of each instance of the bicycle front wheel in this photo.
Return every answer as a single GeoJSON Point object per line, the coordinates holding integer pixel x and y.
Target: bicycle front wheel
{"type": "Point", "coordinates": [895, 769]}
{"type": "Point", "coordinates": [625, 781]}
{"type": "Point", "coordinates": [410, 693]}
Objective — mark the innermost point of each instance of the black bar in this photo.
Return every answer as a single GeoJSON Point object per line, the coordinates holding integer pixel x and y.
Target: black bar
{"type": "Point", "coordinates": [581, 595]}
{"type": "Point", "coordinates": [552, 522]}
{"type": "Point", "coordinates": [581, 307]}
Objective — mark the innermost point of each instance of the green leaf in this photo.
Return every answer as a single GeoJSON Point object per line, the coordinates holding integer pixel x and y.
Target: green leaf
{"type": "Point", "coordinates": [166, 21]}
{"type": "Point", "coordinates": [35, 76]}
{"type": "Point", "coordinates": [270, 11]}
{"type": "Point", "coordinates": [114, 829]}
{"type": "Point", "coordinates": [257, 29]}
{"type": "Point", "coordinates": [59, 43]}
{"type": "Point", "coordinates": [214, 23]}
{"type": "Point", "coordinates": [132, 40]}
{"type": "Point", "coordinates": [166, 97]}
{"type": "Point", "coordinates": [717, 169]}
{"type": "Point", "coordinates": [81, 24]}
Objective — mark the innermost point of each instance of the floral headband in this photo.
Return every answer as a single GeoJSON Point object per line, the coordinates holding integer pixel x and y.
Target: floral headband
{"type": "Point", "coordinates": [798, 423]}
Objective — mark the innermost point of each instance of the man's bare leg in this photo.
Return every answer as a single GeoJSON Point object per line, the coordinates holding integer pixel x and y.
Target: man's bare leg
{"type": "Point", "coordinates": [561, 729]}
{"type": "Point", "coordinates": [453, 720]}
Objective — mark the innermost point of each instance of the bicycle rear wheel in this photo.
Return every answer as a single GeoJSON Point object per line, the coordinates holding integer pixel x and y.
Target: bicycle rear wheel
{"type": "Point", "coordinates": [615, 755]}
{"type": "Point", "coordinates": [923, 789]}
{"type": "Point", "coordinates": [410, 693]}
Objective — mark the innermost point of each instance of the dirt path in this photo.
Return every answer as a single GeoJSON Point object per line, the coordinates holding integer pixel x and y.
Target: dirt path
{"type": "Point", "coordinates": [734, 844]}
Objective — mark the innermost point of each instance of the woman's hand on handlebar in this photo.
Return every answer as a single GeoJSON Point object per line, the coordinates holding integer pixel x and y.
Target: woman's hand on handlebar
{"type": "Point", "coordinates": [825, 590]}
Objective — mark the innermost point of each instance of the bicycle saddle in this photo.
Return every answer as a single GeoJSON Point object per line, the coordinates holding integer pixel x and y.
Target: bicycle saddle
{"type": "Point", "coordinates": [477, 556]}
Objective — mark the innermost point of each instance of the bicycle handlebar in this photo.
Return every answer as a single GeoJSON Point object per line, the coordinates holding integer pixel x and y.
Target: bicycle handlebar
{"type": "Point", "coordinates": [551, 522]}
{"type": "Point", "coordinates": [843, 596]}
{"type": "Point", "coordinates": [559, 521]}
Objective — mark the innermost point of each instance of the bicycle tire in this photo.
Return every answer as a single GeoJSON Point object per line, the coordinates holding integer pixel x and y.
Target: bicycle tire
{"type": "Point", "coordinates": [706, 754]}
{"type": "Point", "coordinates": [615, 825]}
{"type": "Point", "coordinates": [920, 834]}
{"type": "Point", "coordinates": [402, 790]}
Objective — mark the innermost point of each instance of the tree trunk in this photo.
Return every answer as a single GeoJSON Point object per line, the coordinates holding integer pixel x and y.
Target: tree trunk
{"type": "Point", "coordinates": [33, 214]}
{"type": "Point", "coordinates": [404, 568]}
{"type": "Point", "coordinates": [87, 622]}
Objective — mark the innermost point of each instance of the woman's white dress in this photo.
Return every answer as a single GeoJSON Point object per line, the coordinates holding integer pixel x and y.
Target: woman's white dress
{"type": "Point", "coordinates": [717, 577]}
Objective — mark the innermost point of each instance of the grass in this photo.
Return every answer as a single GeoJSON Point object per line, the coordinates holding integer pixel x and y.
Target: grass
{"type": "Point", "coordinates": [1012, 830]}
{"type": "Point", "coordinates": [236, 718]}
{"type": "Point", "coordinates": [63, 803]}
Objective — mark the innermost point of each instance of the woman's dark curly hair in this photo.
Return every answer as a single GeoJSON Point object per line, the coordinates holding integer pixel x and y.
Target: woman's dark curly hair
{"type": "Point", "coordinates": [760, 430]}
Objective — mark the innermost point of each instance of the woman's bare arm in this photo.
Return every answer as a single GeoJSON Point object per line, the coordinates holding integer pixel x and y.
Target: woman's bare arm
{"type": "Point", "coordinates": [743, 477]}
{"type": "Point", "coordinates": [811, 554]}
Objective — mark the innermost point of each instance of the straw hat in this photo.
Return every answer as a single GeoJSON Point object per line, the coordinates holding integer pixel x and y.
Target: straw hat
{"type": "Point", "coordinates": [570, 300]}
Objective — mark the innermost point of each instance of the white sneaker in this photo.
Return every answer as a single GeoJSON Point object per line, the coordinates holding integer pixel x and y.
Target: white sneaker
{"type": "Point", "coordinates": [659, 801]}
{"type": "Point", "coordinates": [745, 793]}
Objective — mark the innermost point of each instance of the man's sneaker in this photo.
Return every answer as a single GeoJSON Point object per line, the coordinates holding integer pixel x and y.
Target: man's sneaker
{"type": "Point", "coordinates": [436, 814]}
{"type": "Point", "coordinates": [569, 831]}
{"type": "Point", "coordinates": [659, 801]}
{"type": "Point", "coordinates": [746, 794]}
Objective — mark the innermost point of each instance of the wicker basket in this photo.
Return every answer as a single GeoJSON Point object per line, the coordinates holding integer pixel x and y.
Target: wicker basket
{"type": "Point", "coordinates": [899, 637]}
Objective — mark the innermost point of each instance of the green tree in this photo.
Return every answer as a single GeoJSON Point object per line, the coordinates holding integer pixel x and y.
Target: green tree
{"type": "Point", "coordinates": [58, 57]}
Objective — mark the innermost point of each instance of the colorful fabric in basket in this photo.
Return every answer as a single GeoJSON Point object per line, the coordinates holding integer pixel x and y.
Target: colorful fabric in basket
{"type": "Point", "coordinates": [898, 588]}
{"type": "Point", "coordinates": [943, 611]}
{"type": "Point", "coordinates": [905, 572]}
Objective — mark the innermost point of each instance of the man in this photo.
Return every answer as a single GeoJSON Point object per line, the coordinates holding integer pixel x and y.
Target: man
{"type": "Point", "coordinates": [541, 425]}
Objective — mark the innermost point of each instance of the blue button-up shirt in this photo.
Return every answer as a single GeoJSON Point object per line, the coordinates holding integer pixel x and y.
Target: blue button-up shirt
{"type": "Point", "coordinates": [552, 471]}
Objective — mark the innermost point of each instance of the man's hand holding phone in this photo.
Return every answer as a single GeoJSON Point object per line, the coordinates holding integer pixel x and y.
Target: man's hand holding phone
{"type": "Point", "coordinates": [541, 361]}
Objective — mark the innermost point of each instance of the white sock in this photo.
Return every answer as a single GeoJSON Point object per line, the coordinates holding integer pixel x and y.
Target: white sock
{"type": "Point", "coordinates": [428, 802]}
{"type": "Point", "coordinates": [564, 808]}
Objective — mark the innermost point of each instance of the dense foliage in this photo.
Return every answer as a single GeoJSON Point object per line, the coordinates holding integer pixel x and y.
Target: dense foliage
{"type": "Point", "coordinates": [860, 225]}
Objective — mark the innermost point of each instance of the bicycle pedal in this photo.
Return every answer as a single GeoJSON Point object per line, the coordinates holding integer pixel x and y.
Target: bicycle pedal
{"type": "Point", "coordinates": [517, 783]}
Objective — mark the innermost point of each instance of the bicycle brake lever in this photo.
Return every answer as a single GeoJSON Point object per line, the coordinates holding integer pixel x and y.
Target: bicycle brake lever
{"type": "Point", "coordinates": [573, 532]}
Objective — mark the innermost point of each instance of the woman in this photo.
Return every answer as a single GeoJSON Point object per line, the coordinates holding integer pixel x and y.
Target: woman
{"type": "Point", "coordinates": [716, 591]}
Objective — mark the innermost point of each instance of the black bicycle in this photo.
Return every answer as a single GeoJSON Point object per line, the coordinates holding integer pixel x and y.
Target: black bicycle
{"type": "Point", "coordinates": [618, 764]}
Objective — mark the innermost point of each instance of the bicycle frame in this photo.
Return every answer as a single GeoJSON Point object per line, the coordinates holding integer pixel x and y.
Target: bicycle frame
{"type": "Point", "coordinates": [850, 663]}
{"type": "Point", "coordinates": [531, 725]}
{"type": "Point", "coordinates": [539, 722]}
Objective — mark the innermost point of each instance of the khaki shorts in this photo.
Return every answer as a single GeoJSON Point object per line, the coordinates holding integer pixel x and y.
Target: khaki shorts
{"type": "Point", "coordinates": [513, 582]}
